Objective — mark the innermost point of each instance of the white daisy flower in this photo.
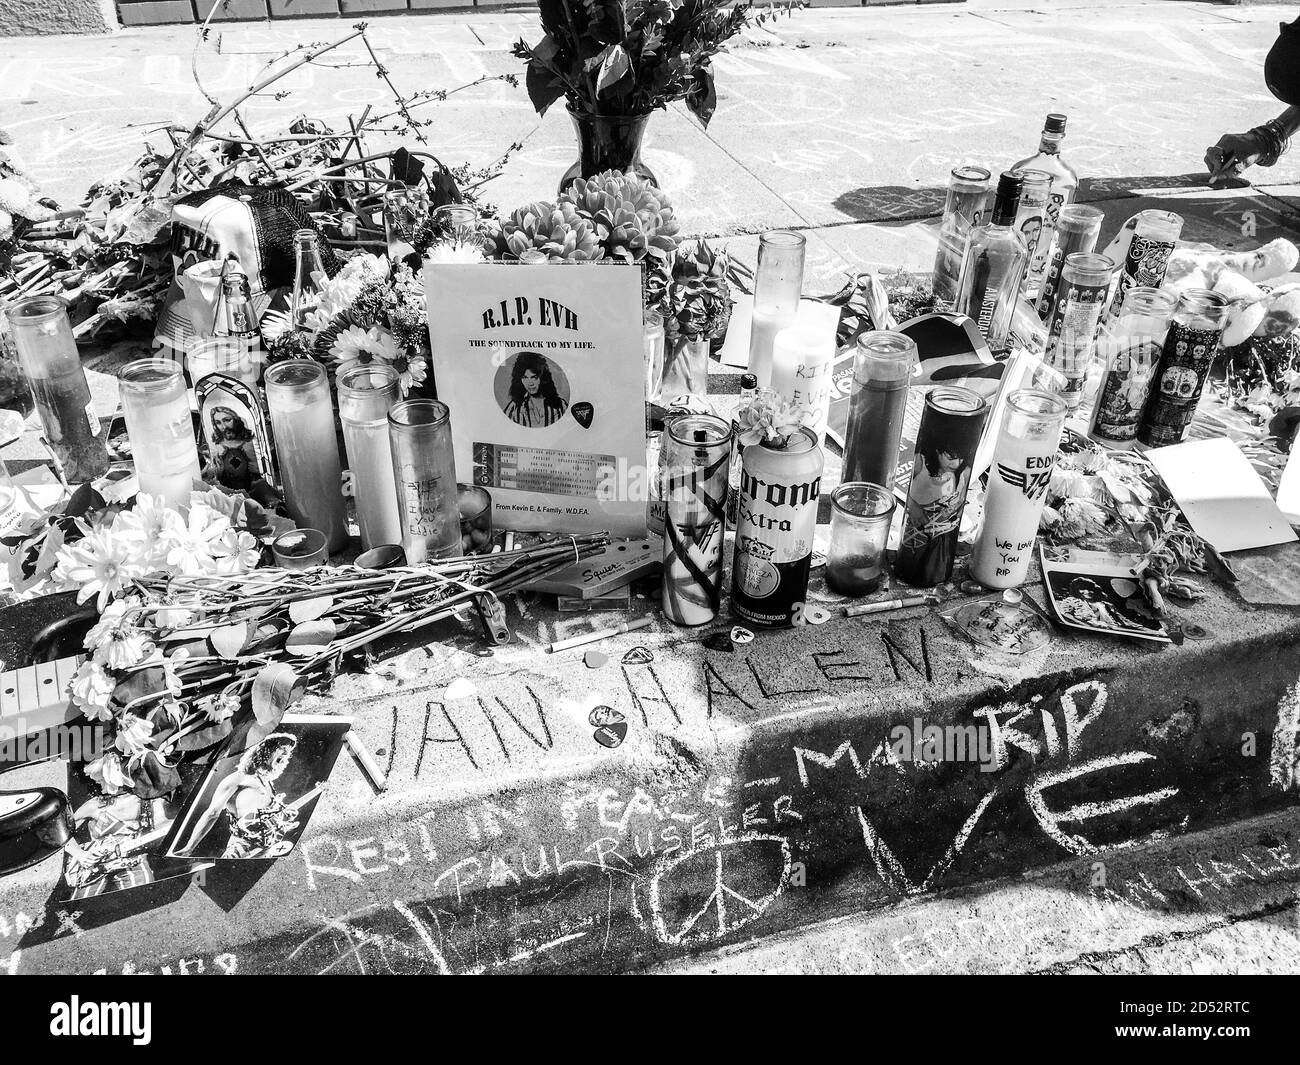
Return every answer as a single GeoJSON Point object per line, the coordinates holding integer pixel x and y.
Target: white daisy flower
{"type": "Point", "coordinates": [99, 565]}
{"type": "Point", "coordinates": [455, 250]}
{"type": "Point", "coordinates": [190, 544]}
{"type": "Point", "coordinates": [411, 372]}
{"type": "Point", "coordinates": [236, 552]}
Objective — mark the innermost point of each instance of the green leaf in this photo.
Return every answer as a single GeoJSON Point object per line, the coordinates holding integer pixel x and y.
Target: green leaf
{"type": "Point", "coordinates": [310, 609]}
{"type": "Point", "coordinates": [205, 737]}
{"type": "Point", "coordinates": [229, 640]}
{"type": "Point", "coordinates": [311, 637]}
{"type": "Point", "coordinates": [276, 688]}
{"type": "Point", "coordinates": [614, 68]}
{"type": "Point", "coordinates": [703, 97]}
{"type": "Point", "coordinates": [544, 88]}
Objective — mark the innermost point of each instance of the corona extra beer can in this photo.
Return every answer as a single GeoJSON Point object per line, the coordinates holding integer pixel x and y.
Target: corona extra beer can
{"type": "Point", "coordinates": [776, 514]}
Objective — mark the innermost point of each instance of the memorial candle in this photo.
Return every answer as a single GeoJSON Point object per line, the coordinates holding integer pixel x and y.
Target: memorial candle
{"type": "Point", "coordinates": [802, 358]}
{"type": "Point", "coordinates": [157, 411]}
{"type": "Point", "coordinates": [302, 419]}
{"type": "Point", "coordinates": [778, 282]}
{"type": "Point", "coordinates": [366, 392]}
{"type": "Point", "coordinates": [424, 468]}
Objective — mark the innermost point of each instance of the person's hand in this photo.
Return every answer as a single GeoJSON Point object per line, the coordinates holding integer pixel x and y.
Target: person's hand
{"type": "Point", "coordinates": [1233, 154]}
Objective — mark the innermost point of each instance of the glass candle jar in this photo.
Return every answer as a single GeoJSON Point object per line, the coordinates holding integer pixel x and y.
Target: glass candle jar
{"type": "Point", "coordinates": [778, 283]}
{"type": "Point", "coordinates": [1023, 457]}
{"type": "Point", "coordinates": [882, 371]}
{"type": "Point", "coordinates": [156, 406]}
{"type": "Point", "coordinates": [474, 504]}
{"type": "Point", "coordinates": [968, 188]}
{"type": "Point", "coordinates": [42, 336]}
{"type": "Point", "coordinates": [946, 442]}
{"type": "Point", "coordinates": [302, 421]}
{"type": "Point", "coordinates": [230, 355]}
{"type": "Point", "coordinates": [1034, 221]}
{"type": "Point", "coordinates": [1077, 227]}
{"type": "Point", "coordinates": [1155, 235]}
{"type": "Point", "coordinates": [697, 459]}
{"type": "Point", "coordinates": [802, 358]}
{"type": "Point", "coordinates": [460, 220]}
{"type": "Point", "coordinates": [300, 549]}
{"type": "Point", "coordinates": [1072, 327]}
{"type": "Point", "coordinates": [1185, 361]}
{"type": "Point", "coordinates": [1129, 348]}
{"type": "Point", "coordinates": [366, 392]}
{"type": "Point", "coordinates": [424, 468]}
{"type": "Point", "coordinates": [861, 514]}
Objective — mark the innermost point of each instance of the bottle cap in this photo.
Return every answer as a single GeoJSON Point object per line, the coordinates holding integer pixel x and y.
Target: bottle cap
{"type": "Point", "coordinates": [748, 381]}
{"type": "Point", "coordinates": [1055, 124]}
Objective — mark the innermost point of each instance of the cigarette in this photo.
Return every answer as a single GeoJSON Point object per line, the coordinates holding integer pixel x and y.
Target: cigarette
{"type": "Point", "coordinates": [366, 761]}
{"type": "Point", "coordinates": [602, 634]}
{"type": "Point", "coordinates": [890, 605]}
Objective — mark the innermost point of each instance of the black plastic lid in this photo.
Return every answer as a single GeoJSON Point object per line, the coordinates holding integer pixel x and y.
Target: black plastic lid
{"type": "Point", "coordinates": [1055, 124]}
{"type": "Point", "coordinates": [1008, 199]}
{"type": "Point", "coordinates": [748, 381]}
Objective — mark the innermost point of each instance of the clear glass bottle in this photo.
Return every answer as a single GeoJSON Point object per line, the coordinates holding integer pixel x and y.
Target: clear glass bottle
{"type": "Point", "coordinates": [1034, 221]}
{"type": "Point", "coordinates": [993, 266]}
{"type": "Point", "coordinates": [1065, 182]}
{"type": "Point", "coordinates": [882, 372]}
{"type": "Point", "coordinates": [968, 191]}
{"type": "Point", "coordinates": [1026, 449]}
{"type": "Point", "coordinates": [778, 284]}
{"type": "Point", "coordinates": [42, 336]}
{"type": "Point", "coordinates": [697, 454]}
{"type": "Point", "coordinates": [424, 468]}
{"type": "Point", "coordinates": [1185, 361]}
{"type": "Point", "coordinates": [1072, 328]}
{"type": "Point", "coordinates": [1129, 349]}
{"type": "Point", "coordinates": [861, 514]}
{"type": "Point", "coordinates": [302, 420]}
{"type": "Point", "coordinates": [237, 318]}
{"type": "Point", "coordinates": [308, 273]}
{"type": "Point", "coordinates": [652, 326]}
{"type": "Point", "coordinates": [156, 407]}
{"type": "Point", "coordinates": [1077, 229]}
{"type": "Point", "coordinates": [366, 392]}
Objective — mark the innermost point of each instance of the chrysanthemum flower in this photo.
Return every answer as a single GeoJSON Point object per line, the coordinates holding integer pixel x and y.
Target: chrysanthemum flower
{"type": "Point", "coordinates": [100, 565]}
{"type": "Point", "coordinates": [92, 689]}
{"type": "Point", "coordinates": [190, 544]}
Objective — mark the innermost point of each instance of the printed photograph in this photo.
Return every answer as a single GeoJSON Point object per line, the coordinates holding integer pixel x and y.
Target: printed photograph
{"type": "Point", "coordinates": [532, 390]}
{"type": "Point", "coordinates": [1100, 597]}
{"type": "Point", "coordinates": [254, 803]}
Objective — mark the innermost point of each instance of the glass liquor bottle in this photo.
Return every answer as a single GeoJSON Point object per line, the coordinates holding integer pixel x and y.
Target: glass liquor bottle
{"type": "Point", "coordinates": [968, 188]}
{"type": "Point", "coordinates": [1064, 183]}
{"type": "Point", "coordinates": [993, 266]}
{"type": "Point", "coordinates": [308, 271]}
{"type": "Point", "coordinates": [237, 317]}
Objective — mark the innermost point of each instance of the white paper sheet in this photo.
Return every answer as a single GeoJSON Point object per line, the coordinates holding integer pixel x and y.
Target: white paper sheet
{"type": "Point", "coordinates": [1221, 495]}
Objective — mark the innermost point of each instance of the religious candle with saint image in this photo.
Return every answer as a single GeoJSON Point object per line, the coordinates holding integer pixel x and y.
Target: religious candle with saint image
{"type": "Point", "coordinates": [1023, 459]}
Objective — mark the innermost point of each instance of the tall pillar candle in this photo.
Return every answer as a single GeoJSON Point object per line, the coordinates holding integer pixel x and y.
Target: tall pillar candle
{"type": "Point", "coordinates": [698, 455]}
{"type": "Point", "coordinates": [778, 282]}
{"type": "Point", "coordinates": [1023, 458]}
{"type": "Point", "coordinates": [302, 420]}
{"type": "Point", "coordinates": [1155, 235]}
{"type": "Point", "coordinates": [802, 360]}
{"type": "Point", "coordinates": [157, 411]}
{"type": "Point", "coordinates": [366, 392]}
{"type": "Point", "coordinates": [424, 468]}
{"type": "Point", "coordinates": [1072, 327]}
{"type": "Point", "coordinates": [1190, 347]}
{"type": "Point", "coordinates": [882, 372]}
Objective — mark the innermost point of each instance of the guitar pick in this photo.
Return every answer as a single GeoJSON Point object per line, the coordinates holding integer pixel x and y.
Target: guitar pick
{"type": "Point", "coordinates": [719, 641]}
{"type": "Point", "coordinates": [460, 688]}
{"type": "Point", "coordinates": [611, 735]}
{"type": "Point", "coordinates": [638, 656]}
{"type": "Point", "coordinates": [595, 659]}
{"type": "Point", "coordinates": [815, 615]}
{"type": "Point", "coordinates": [604, 715]}
{"type": "Point", "coordinates": [740, 634]}
{"type": "Point", "coordinates": [583, 414]}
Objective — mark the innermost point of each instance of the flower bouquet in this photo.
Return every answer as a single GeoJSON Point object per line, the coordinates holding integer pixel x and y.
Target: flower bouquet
{"type": "Point", "coordinates": [696, 310]}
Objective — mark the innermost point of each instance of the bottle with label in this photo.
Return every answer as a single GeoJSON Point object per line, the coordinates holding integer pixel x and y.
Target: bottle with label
{"type": "Point", "coordinates": [968, 191]}
{"type": "Point", "coordinates": [308, 273]}
{"type": "Point", "coordinates": [1034, 222]}
{"type": "Point", "coordinates": [1023, 458]}
{"type": "Point", "coordinates": [1064, 184]}
{"type": "Point", "coordinates": [993, 267]}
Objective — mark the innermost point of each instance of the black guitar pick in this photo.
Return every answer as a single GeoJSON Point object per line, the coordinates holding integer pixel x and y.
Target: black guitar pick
{"type": "Point", "coordinates": [611, 735]}
{"type": "Point", "coordinates": [638, 656]}
{"type": "Point", "coordinates": [583, 414]}
{"type": "Point", "coordinates": [719, 641]}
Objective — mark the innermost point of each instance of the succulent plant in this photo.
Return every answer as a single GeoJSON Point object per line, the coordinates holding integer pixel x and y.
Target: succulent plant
{"type": "Point", "coordinates": [555, 229]}
{"type": "Point", "coordinates": [698, 303]}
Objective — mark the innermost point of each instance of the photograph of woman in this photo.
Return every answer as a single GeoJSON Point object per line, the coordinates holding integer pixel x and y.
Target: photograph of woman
{"type": "Point", "coordinates": [533, 400]}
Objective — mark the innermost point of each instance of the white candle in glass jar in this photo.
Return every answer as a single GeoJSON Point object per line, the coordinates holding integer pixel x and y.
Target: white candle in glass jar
{"type": "Point", "coordinates": [158, 421]}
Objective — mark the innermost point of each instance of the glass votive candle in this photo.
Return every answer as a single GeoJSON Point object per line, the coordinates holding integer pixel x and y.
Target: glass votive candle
{"type": "Point", "coordinates": [475, 505]}
{"type": "Point", "coordinates": [158, 422]}
{"type": "Point", "coordinates": [385, 556]}
{"type": "Point", "coordinates": [300, 549]}
{"type": "Point", "coordinates": [861, 513]}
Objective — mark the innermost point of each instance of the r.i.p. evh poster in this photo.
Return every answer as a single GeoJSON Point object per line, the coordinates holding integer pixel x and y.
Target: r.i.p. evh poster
{"type": "Point", "coordinates": [542, 368]}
